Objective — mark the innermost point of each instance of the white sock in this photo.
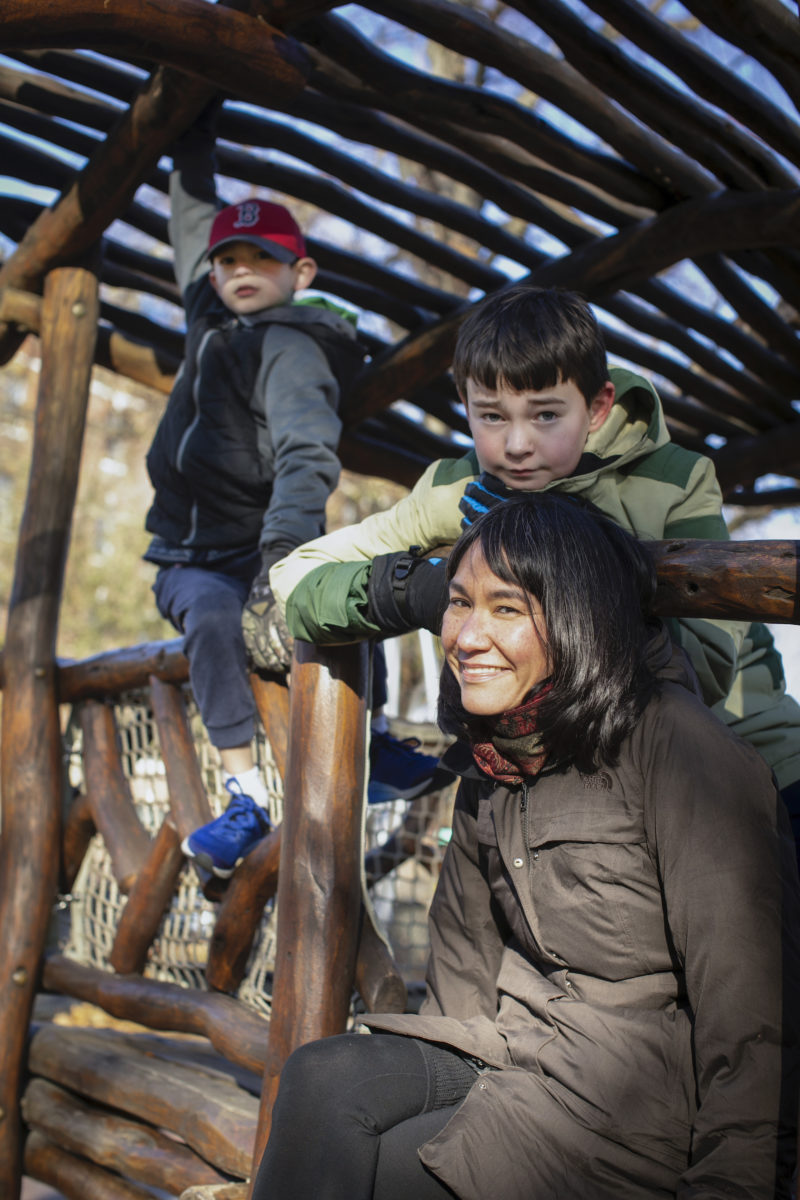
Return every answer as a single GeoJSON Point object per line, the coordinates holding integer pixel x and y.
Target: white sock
{"type": "Point", "coordinates": [251, 784]}
{"type": "Point", "coordinates": [380, 724]}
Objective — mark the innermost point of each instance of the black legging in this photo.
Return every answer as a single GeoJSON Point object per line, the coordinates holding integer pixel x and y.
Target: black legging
{"type": "Point", "coordinates": [350, 1115]}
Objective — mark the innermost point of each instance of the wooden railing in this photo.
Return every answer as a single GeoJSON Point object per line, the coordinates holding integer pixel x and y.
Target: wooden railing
{"type": "Point", "coordinates": [327, 944]}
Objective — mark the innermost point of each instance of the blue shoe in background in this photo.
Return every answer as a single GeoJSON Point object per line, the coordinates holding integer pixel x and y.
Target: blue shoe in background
{"type": "Point", "coordinates": [223, 842]}
{"type": "Point", "coordinates": [398, 770]}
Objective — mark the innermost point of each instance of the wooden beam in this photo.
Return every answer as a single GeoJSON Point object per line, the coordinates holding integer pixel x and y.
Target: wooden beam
{"type": "Point", "coordinates": [226, 49]}
{"type": "Point", "coordinates": [217, 1120]}
{"type": "Point", "coordinates": [234, 1030]}
{"type": "Point", "coordinates": [149, 898]}
{"type": "Point", "coordinates": [764, 29]}
{"type": "Point", "coordinates": [254, 882]}
{"type": "Point", "coordinates": [73, 1175]}
{"type": "Point", "coordinates": [613, 264]}
{"type": "Point", "coordinates": [109, 794]}
{"type": "Point", "coordinates": [728, 580]}
{"type": "Point", "coordinates": [208, 38]}
{"type": "Point", "coordinates": [187, 797]}
{"type": "Point", "coordinates": [383, 82]}
{"type": "Point", "coordinates": [132, 1149]}
{"type": "Point", "coordinates": [115, 671]}
{"type": "Point", "coordinates": [742, 461]}
{"type": "Point", "coordinates": [319, 891]}
{"type": "Point", "coordinates": [31, 752]}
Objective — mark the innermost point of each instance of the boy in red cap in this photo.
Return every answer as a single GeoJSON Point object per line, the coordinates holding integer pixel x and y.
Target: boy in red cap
{"type": "Point", "coordinates": [244, 457]}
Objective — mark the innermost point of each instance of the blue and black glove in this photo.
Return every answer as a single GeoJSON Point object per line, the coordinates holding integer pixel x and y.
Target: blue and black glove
{"type": "Point", "coordinates": [482, 494]}
{"type": "Point", "coordinates": [406, 591]}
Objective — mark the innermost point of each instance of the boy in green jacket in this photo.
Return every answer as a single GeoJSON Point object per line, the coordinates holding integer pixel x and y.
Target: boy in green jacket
{"type": "Point", "coordinates": [546, 412]}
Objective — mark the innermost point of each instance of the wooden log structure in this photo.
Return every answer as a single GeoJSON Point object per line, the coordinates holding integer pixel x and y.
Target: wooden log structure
{"type": "Point", "coordinates": [149, 897]}
{"type": "Point", "coordinates": [104, 1137]}
{"type": "Point", "coordinates": [188, 800]}
{"type": "Point", "coordinates": [109, 795]}
{"type": "Point", "coordinates": [319, 886]}
{"type": "Point", "coordinates": [217, 1122]}
{"type": "Point", "coordinates": [30, 759]}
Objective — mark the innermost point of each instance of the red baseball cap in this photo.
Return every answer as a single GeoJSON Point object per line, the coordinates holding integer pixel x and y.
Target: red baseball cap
{"type": "Point", "coordinates": [261, 223]}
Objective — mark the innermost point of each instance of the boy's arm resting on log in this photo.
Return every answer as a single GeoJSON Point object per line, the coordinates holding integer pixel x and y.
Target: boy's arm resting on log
{"type": "Point", "coordinates": [721, 581]}
{"type": "Point", "coordinates": [427, 517]}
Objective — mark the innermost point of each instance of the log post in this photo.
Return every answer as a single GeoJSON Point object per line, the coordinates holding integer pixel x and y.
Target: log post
{"type": "Point", "coordinates": [109, 793]}
{"type": "Point", "coordinates": [148, 900]}
{"type": "Point", "coordinates": [187, 796]}
{"type": "Point", "coordinates": [30, 757]}
{"type": "Point", "coordinates": [319, 892]}
{"type": "Point", "coordinates": [755, 581]}
{"type": "Point", "coordinates": [272, 701]}
{"type": "Point", "coordinates": [254, 882]}
{"type": "Point", "coordinates": [79, 829]}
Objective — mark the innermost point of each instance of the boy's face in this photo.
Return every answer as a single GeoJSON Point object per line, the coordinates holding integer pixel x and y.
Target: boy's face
{"type": "Point", "coordinates": [529, 438]}
{"type": "Point", "coordinates": [247, 278]}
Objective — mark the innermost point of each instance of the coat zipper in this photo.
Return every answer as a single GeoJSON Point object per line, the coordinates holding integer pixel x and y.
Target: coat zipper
{"type": "Point", "coordinates": [525, 814]}
{"type": "Point", "coordinates": [187, 433]}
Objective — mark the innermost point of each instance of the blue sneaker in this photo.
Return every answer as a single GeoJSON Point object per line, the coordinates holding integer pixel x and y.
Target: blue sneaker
{"type": "Point", "coordinates": [400, 771]}
{"type": "Point", "coordinates": [223, 842]}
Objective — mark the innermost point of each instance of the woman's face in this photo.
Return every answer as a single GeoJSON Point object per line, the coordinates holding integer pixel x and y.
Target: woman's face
{"type": "Point", "coordinates": [494, 638]}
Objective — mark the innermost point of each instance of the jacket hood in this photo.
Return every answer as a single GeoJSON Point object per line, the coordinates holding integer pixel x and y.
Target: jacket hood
{"type": "Point", "coordinates": [305, 315]}
{"type": "Point", "coordinates": [634, 427]}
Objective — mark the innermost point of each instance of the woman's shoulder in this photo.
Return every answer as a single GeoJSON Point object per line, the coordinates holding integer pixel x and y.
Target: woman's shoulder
{"type": "Point", "coordinates": [676, 724]}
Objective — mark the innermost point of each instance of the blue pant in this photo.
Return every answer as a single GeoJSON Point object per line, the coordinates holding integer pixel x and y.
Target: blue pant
{"type": "Point", "coordinates": [205, 605]}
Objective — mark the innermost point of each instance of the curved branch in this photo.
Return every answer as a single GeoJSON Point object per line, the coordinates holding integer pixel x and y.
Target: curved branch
{"type": "Point", "coordinates": [727, 221]}
{"type": "Point", "coordinates": [214, 43]}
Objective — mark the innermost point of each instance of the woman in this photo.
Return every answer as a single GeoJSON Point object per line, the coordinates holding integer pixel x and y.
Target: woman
{"type": "Point", "coordinates": [610, 990]}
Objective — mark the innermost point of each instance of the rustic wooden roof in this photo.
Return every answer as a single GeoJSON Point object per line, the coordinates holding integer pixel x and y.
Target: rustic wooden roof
{"type": "Point", "coordinates": [644, 152]}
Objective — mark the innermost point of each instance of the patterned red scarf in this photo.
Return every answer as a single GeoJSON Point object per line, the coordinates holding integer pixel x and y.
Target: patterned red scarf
{"type": "Point", "coordinates": [507, 747]}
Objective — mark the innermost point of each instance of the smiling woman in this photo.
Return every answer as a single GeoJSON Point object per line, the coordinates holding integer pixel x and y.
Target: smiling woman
{"type": "Point", "coordinates": [614, 981]}
{"type": "Point", "coordinates": [494, 637]}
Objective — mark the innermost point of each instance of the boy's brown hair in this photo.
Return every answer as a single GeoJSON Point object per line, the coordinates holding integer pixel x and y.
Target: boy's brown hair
{"type": "Point", "coordinates": [528, 338]}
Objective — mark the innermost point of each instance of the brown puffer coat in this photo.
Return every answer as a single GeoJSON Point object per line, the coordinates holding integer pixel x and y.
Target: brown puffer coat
{"type": "Point", "coordinates": [613, 943]}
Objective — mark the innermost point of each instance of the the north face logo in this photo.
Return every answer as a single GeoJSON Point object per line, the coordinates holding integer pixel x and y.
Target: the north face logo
{"type": "Point", "coordinates": [600, 781]}
{"type": "Point", "coordinates": [247, 214]}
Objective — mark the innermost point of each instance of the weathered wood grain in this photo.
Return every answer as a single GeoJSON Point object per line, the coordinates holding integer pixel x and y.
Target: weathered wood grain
{"type": "Point", "coordinates": [212, 1115]}
{"type": "Point", "coordinates": [148, 899]}
{"type": "Point", "coordinates": [319, 883]}
{"type": "Point", "coordinates": [74, 1177]}
{"type": "Point", "coordinates": [134, 1150]}
{"type": "Point", "coordinates": [31, 776]}
{"type": "Point", "coordinates": [187, 796]}
{"type": "Point", "coordinates": [235, 1031]}
{"type": "Point", "coordinates": [109, 793]}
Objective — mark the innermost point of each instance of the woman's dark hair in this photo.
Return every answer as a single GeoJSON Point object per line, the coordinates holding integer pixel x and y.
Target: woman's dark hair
{"type": "Point", "coordinates": [531, 338]}
{"type": "Point", "coordinates": [595, 584]}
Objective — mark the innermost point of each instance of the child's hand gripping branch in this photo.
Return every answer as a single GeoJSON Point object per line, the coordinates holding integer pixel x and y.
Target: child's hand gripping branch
{"type": "Point", "coordinates": [267, 639]}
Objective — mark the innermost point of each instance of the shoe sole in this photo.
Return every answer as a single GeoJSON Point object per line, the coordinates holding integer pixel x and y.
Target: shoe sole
{"type": "Point", "coordinates": [206, 862]}
{"type": "Point", "coordinates": [387, 793]}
